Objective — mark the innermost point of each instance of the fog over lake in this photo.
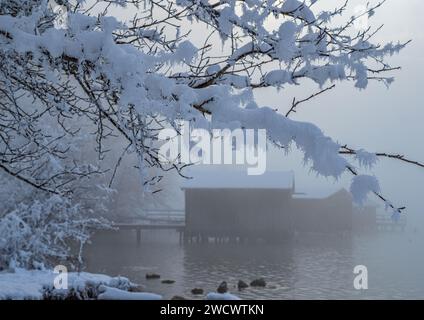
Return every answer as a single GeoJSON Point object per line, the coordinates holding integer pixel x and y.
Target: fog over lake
{"type": "Point", "coordinates": [314, 267]}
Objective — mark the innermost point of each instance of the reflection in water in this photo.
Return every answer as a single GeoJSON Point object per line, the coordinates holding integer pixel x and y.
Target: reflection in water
{"type": "Point", "coordinates": [313, 268]}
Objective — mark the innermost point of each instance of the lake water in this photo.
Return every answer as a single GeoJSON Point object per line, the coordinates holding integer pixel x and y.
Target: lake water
{"type": "Point", "coordinates": [309, 268]}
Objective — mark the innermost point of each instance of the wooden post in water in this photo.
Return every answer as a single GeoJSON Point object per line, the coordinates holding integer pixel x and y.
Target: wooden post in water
{"type": "Point", "coordinates": [138, 231]}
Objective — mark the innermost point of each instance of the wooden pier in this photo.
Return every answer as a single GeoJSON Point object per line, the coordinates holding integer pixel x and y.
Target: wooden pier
{"type": "Point", "coordinates": [175, 220]}
{"type": "Point", "coordinates": [155, 220]}
{"type": "Point", "coordinates": [385, 223]}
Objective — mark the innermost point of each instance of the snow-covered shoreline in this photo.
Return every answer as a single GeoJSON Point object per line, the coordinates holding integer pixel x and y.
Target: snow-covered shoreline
{"type": "Point", "coordinates": [39, 285]}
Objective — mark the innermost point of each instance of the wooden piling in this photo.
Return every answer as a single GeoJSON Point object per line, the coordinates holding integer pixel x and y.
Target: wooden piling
{"type": "Point", "coordinates": [138, 231]}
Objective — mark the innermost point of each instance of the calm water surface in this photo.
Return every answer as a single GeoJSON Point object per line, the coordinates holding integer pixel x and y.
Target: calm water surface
{"type": "Point", "coordinates": [311, 268]}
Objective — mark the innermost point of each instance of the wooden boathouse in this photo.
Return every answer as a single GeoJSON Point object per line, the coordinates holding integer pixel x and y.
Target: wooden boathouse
{"type": "Point", "coordinates": [229, 205]}
{"type": "Point", "coordinates": [232, 205]}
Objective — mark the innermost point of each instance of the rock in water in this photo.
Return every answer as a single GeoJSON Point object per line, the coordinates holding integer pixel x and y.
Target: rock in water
{"type": "Point", "coordinates": [242, 285]}
{"type": "Point", "coordinates": [258, 283]}
{"type": "Point", "coordinates": [197, 291]}
{"type": "Point", "coordinates": [152, 276]}
{"type": "Point", "coordinates": [223, 287]}
{"type": "Point", "coordinates": [178, 298]}
{"type": "Point", "coordinates": [168, 281]}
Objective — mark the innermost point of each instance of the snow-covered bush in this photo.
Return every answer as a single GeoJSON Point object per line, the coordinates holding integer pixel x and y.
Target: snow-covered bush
{"type": "Point", "coordinates": [44, 233]}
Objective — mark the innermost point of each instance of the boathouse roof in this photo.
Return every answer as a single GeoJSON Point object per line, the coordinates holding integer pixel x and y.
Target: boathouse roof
{"type": "Point", "coordinates": [238, 179]}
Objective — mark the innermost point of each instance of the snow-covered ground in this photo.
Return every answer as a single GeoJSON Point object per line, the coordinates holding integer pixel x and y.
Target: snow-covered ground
{"type": "Point", "coordinates": [37, 284]}
{"type": "Point", "coordinates": [221, 296]}
{"type": "Point", "coordinates": [110, 293]}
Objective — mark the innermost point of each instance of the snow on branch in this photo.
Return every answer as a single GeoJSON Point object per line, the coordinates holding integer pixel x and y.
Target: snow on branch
{"type": "Point", "coordinates": [361, 155]}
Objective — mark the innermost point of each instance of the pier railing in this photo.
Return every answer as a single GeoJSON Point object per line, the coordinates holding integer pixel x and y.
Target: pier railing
{"type": "Point", "coordinates": [384, 222]}
{"type": "Point", "coordinates": [153, 220]}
